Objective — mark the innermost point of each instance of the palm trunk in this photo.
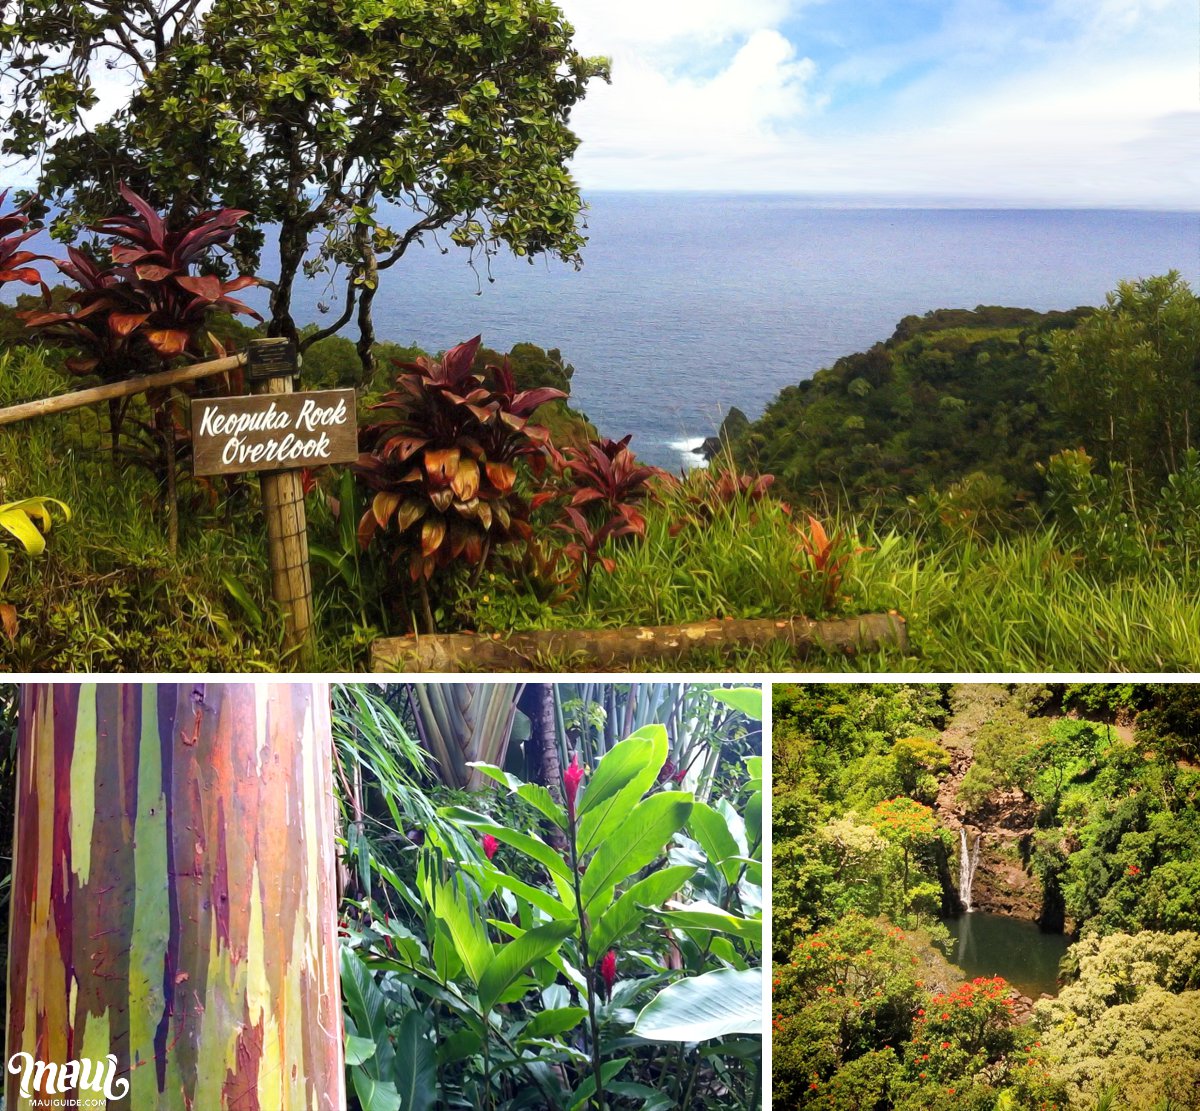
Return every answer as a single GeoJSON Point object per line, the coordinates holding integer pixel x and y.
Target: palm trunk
{"type": "Point", "coordinates": [542, 763]}
{"type": "Point", "coordinates": [173, 897]}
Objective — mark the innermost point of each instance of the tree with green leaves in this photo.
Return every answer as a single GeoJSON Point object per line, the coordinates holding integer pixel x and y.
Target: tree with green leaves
{"type": "Point", "coordinates": [1125, 380]}
{"type": "Point", "coordinates": [907, 823]}
{"type": "Point", "coordinates": [355, 129]}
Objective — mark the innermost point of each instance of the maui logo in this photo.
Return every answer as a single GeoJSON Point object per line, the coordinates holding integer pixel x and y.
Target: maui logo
{"type": "Point", "coordinates": [85, 1075]}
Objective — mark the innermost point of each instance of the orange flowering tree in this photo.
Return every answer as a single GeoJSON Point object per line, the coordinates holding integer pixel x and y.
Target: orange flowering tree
{"type": "Point", "coordinates": [856, 1025]}
{"type": "Point", "coordinates": [906, 823]}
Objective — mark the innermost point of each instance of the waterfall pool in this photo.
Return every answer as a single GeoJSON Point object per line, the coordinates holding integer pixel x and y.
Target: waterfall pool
{"type": "Point", "coordinates": [996, 945]}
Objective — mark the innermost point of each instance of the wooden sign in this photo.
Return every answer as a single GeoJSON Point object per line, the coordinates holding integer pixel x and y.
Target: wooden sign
{"type": "Point", "coordinates": [273, 432]}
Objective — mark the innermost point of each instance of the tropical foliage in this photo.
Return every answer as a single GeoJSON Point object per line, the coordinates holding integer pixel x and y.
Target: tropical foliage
{"type": "Point", "coordinates": [508, 949]}
{"type": "Point", "coordinates": [14, 258]}
{"type": "Point", "coordinates": [867, 1010]}
{"type": "Point", "coordinates": [442, 462]}
{"type": "Point", "coordinates": [360, 127]}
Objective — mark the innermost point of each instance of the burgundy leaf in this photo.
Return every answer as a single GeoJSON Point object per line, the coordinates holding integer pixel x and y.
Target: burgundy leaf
{"type": "Point", "coordinates": [153, 221]}
{"type": "Point", "coordinates": [206, 286]}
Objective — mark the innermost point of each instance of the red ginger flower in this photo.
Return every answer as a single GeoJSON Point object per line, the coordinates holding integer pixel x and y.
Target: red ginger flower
{"type": "Point", "coordinates": [608, 972]}
{"type": "Point", "coordinates": [490, 845]}
{"type": "Point", "coordinates": [572, 777]}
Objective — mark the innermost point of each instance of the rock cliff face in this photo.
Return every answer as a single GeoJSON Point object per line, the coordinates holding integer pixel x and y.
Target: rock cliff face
{"type": "Point", "coordinates": [1005, 819]}
{"type": "Point", "coordinates": [733, 427]}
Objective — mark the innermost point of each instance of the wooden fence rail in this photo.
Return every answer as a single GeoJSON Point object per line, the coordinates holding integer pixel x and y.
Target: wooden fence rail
{"type": "Point", "coordinates": [62, 403]}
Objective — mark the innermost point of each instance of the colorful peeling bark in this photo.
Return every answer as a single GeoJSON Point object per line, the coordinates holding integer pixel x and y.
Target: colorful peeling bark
{"type": "Point", "coordinates": [173, 897]}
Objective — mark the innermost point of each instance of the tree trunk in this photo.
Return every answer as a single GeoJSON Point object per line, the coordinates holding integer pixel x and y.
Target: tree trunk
{"type": "Point", "coordinates": [293, 242]}
{"type": "Point", "coordinates": [542, 764]}
{"type": "Point", "coordinates": [366, 299]}
{"type": "Point", "coordinates": [173, 898]}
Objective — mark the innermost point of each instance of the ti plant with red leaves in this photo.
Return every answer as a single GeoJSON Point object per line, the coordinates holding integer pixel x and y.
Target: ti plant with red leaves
{"type": "Point", "coordinates": [604, 486]}
{"type": "Point", "coordinates": [713, 488]}
{"type": "Point", "coordinates": [145, 305]}
{"type": "Point", "coordinates": [142, 307]}
{"type": "Point", "coordinates": [825, 559]}
{"type": "Point", "coordinates": [443, 463]}
{"type": "Point", "coordinates": [14, 259]}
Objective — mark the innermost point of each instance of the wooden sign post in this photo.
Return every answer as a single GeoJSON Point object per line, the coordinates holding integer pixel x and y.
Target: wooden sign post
{"type": "Point", "coordinates": [277, 432]}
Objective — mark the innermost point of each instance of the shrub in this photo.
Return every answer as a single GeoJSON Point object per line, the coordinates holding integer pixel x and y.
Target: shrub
{"type": "Point", "coordinates": [443, 463]}
{"type": "Point", "coordinates": [1130, 1019]}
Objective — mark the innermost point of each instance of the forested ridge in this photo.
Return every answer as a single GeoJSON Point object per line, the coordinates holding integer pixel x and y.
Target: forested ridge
{"type": "Point", "coordinates": [1085, 803]}
{"type": "Point", "coordinates": [962, 411]}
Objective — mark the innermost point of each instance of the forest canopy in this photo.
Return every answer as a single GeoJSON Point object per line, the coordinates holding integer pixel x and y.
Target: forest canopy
{"type": "Point", "coordinates": [968, 407]}
{"type": "Point", "coordinates": [1086, 799]}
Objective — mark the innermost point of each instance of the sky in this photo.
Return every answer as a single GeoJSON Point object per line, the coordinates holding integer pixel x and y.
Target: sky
{"type": "Point", "coordinates": [1040, 102]}
{"type": "Point", "coordinates": [1073, 103]}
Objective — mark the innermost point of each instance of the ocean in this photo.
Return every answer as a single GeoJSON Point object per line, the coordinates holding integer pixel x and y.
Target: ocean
{"type": "Point", "coordinates": [688, 304]}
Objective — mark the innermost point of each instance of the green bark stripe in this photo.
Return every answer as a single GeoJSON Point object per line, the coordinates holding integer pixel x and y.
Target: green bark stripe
{"type": "Point", "coordinates": [83, 786]}
{"type": "Point", "coordinates": [151, 909]}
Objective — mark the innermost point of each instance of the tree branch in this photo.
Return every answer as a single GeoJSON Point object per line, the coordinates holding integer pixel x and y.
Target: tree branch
{"type": "Point", "coordinates": [133, 52]}
{"type": "Point", "coordinates": [341, 322]}
{"type": "Point", "coordinates": [430, 223]}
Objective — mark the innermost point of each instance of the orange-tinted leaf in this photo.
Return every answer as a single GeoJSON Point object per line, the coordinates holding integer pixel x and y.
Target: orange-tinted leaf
{"type": "Point", "coordinates": [8, 621]}
{"type": "Point", "coordinates": [433, 532]}
{"type": "Point", "coordinates": [465, 482]}
{"type": "Point", "coordinates": [383, 505]}
{"type": "Point", "coordinates": [416, 565]}
{"type": "Point", "coordinates": [441, 465]}
{"type": "Point", "coordinates": [168, 341]}
{"type": "Point", "coordinates": [366, 528]}
{"type": "Point", "coordinates": [442, 499]}
{"type": "Point", "coordinates": [634, 519]}
{"type": "Point", "coordinates": [125, 322]}
{"type": "Point", "coordinates": [410, 512]}
{"type": "Point", "coordinates": [501, 475]}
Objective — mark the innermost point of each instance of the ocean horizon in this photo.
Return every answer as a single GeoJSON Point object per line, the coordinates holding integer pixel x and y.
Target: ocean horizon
{"type": "Point", "coordinates": [689, 304]}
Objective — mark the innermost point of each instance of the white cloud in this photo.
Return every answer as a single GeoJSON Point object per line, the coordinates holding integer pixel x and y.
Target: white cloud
{"type": "Point", "coordinates": [651, 117]}
{"type": "Point", "coordinates": [604, 26]}
{"type": "Point", "coordinates": [1089, 103]}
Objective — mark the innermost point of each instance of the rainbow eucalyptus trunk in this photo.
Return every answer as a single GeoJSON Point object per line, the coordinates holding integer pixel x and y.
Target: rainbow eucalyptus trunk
{"type": "Point", "coordinates": [174, 918]}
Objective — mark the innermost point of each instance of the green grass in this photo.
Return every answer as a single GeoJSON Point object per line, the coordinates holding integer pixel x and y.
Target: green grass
{"type": "Point", "coordinates": [1026, 604]}
{"type": "Point", "coordinates": [108, 595]}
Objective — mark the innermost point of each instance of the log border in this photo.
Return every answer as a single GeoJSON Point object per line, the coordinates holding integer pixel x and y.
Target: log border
{"type": "Point", "coordinates": [618, 649]}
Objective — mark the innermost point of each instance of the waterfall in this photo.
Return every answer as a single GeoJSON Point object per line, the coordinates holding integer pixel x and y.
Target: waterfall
{"type": "Point", "coordinates": [968, 859]}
